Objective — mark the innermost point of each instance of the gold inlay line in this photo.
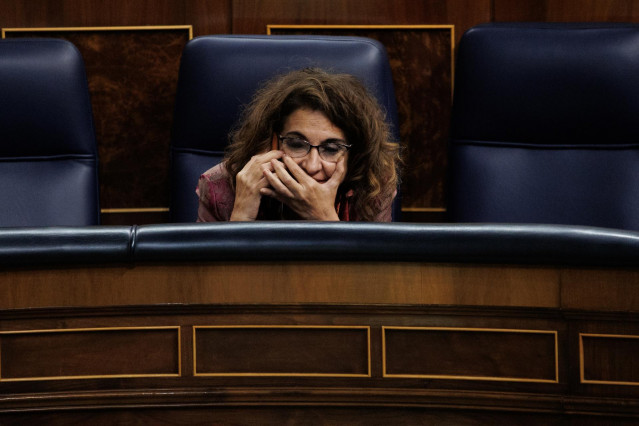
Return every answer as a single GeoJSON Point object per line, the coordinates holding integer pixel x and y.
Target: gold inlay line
{"type": "Point", "coordinates": [359, 27]}
{"type": "Point", "coordinates": [136, 210]}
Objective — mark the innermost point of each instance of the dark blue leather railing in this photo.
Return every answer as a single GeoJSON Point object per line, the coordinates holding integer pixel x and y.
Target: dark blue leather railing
{"type": "Point", "coordinates": [54, 246]}
{"type": "Point", "coordinates": [318, 241]}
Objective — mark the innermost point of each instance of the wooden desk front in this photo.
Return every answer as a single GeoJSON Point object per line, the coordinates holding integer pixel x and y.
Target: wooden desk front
{"type": "Point", "coordinates": [319, 343]}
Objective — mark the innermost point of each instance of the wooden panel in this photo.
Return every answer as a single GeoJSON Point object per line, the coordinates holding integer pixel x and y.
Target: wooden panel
{"type": "Point", "coordinates": [281, 351]}
{"type": "Point", "coordinates": [612, 290]}
{"type": "Point", "coordinates": [89, 353]}
{"type": "Point", "coordinates": [355, 283]}
{"type": "Point", "coordinates": [567, 10]}
{"type": "Point", "coordinates": [519, 10]}
{"type": "Point", "coordinates": [471, 354]}
{"type": "Point", "coordinates": [421, 60]}
{"type": "Point", "coordinates": [206, 16]}
{"type": "Point", "coordinates": [290, 415]}
{"type": "Point", "coordinates": [250, 17]}
{"type": "Point", "coordinates": [592, 10]}
{"type": "Point", "coordinates": [607, 359]}
{"type": "Point", "coordinates": [462, 352]}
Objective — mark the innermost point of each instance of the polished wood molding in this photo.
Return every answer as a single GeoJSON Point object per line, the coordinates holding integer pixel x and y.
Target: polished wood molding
{"type": "Point", "coordinates": [287, 282]}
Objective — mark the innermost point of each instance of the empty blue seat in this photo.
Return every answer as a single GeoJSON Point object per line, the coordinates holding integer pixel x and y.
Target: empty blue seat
{"type": "Point", "coordinates": [48, 151]}
{"type": "Point", "coordinates": [545, 127]}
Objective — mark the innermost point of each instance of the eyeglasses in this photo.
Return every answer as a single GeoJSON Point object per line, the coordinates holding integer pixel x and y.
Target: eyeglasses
{"type": "Point", "coordinates": [296, 147]}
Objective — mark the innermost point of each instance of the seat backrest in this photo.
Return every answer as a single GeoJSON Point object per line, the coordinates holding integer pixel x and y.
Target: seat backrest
{"type": "Point", "coordinates": [545, 125]}
{"type": "Point", "coordinates": [48, 152]}
{"type": "Point", "coordinates": [220, 74]}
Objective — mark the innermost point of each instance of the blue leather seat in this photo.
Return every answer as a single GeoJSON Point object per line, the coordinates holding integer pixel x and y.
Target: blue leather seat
{"type": "Point", "coordinates": [220, 74]}
{"type": "Point", "coordinates": [545, 125]}
{"type": "Point", "coordinates": [48, 152]}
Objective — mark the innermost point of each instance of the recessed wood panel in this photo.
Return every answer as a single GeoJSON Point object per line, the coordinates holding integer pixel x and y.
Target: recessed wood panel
{"type": "Point", "coordinates": [89, 353]}
{"type": "Point", "coordinates": [281, 351]}
{"type": "Point", "coordinates": [471, 354]}
{"type": "Point", "coordinates": [609, 359]}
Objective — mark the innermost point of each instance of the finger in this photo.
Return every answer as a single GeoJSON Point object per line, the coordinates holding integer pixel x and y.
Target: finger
{"type": "Point", "coordinates": [277, 185]}
{"type": "Point", "coordinates": [267, 167]}
{"type": "Point", "coordinates": [339, 174]}
{"type": "Point", "coordinates": [253, 170]}
{"type": "Point", "coordinates": [268, 192]}
{"type": "Point", "coordinates": [265, 157]}
{"type": "Point", "coordinates": [263, 183]}
{"type": "Point", "coordinates": [298, 173]}
{"type": "Point", "coordinates": [284, 175]}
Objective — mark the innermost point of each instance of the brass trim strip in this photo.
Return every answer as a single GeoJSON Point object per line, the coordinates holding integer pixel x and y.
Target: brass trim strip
{"type": "Point", "coordinates": [582, 374]}
{"type": "Point", "coordinates": [355, 327]}
{"type": "Point", "coordinates": [269, 27]}
{"type": "Point", "coordinates": [97, 376]}
{"type": "Point", "coordinates": [136, 210]}
{"type": "Point", "coordinates": [107, 28]}
{"type": "Point", "coordinates": [457, 377]}
{"type": "Point", "coordinates": [108, 376]}
{"type": "Point", "coordinates": [74, 330]}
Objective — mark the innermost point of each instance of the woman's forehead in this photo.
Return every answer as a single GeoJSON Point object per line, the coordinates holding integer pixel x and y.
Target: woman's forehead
{"type": "Point", "coordinates": [305, 120]}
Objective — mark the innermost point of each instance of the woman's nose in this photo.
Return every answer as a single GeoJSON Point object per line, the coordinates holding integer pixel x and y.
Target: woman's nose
{"type": "Point", "coordinates": [312, 163]}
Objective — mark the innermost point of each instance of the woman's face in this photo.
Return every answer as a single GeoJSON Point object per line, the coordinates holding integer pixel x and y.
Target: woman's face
{"type": "Point", "coordinates": [314, 127]}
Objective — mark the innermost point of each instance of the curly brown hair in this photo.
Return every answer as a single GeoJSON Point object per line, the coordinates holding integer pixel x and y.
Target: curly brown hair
{"type": "Point", "coordinates": [372, 169]}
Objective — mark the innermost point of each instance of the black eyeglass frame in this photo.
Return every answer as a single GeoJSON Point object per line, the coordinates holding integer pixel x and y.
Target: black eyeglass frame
{"type": "Point", "coordinates": [311, 146]}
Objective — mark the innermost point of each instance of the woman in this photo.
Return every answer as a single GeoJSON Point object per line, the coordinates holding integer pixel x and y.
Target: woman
{"type": "Point", "coordinates": [311, 145]}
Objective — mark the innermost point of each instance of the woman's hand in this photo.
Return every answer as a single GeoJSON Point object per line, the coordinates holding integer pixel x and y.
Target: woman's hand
{"type": "Point", "coordinates": [248, 185]}
{"type": "Point", "coordinates": [310, 199]}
